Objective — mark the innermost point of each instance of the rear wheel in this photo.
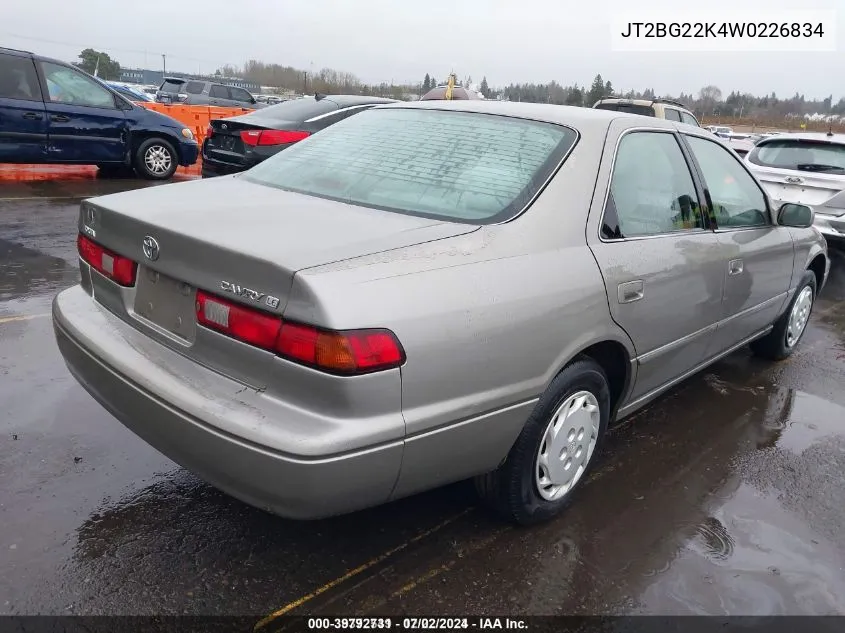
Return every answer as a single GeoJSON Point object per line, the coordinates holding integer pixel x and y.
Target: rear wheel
{"type": "Point", "coordinates": [556, 448]}
{"type": "Point", "coordinates": [790, 327]}
{"type": "Point", "coordinates": [156, 159]}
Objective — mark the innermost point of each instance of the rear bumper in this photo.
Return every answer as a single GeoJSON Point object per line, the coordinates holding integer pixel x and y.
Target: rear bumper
{"type": "Point", "coordinates": [212, 168]}
{"type": "Point", "coordinates": [831, 226]}
{"type": "Point", "coordinates": [143, 392]}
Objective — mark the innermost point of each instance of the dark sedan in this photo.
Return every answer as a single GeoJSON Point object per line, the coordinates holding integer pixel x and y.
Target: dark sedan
{"type": "Point", "coordinates": [241, 142]}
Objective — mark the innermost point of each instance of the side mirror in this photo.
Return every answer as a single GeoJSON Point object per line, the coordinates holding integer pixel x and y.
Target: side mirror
{"type": "Point", "coordinates": [799, 216]}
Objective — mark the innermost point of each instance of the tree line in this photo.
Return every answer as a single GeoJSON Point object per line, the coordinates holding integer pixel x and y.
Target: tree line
{"type": "Point", "coordinates": [709, 101]}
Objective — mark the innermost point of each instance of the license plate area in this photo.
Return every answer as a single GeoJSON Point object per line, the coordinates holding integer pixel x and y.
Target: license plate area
{"type": "Point", "coordinates": [166, 302]}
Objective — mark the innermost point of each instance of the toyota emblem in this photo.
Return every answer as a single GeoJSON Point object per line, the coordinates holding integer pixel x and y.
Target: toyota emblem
{"type": "Point", "coordinates": [151, 249]}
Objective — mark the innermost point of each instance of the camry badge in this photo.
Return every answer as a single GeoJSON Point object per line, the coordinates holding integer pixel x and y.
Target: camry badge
{"type": "Point", "coordinates": [151, 248]}
{"type": "Point", "coordinates": [248, 293]}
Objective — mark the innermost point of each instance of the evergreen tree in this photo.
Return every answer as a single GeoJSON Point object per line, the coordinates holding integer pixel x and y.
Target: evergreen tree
{"type": "Point", "coordinates": [596, 91]}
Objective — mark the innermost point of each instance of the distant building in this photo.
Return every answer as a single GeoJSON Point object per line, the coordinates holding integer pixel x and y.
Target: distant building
{"type": "Point", "coordinates": [155, 77]}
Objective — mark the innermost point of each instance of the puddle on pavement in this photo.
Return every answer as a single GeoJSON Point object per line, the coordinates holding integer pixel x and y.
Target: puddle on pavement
{"type": "Point", "coordinates": [771, 541]}
{"type": "Point", "coordinates": [27, 273]}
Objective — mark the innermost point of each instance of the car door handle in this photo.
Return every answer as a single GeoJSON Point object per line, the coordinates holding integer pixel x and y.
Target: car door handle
{"type": "Point", "coordinates": [33, 116]}
{"type": "Point", "coordinates": [735, 267]}
{"type": "Point", "coordinates": [630, 291]}
{"type": "Point", "coordinates": [59, 118]}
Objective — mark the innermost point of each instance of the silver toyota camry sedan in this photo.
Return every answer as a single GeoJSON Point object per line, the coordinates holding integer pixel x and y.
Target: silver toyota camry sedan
{"type": "Point", "coordinates": [430, 292]}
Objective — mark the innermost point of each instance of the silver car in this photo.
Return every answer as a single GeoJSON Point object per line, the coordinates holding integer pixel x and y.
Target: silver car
{"type": "Point", "coordinates": [806, 168]}
{"type": "Point", "coordinates": [429, 292]}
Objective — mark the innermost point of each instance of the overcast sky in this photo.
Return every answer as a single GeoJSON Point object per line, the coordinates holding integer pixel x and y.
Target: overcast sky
{"type": "Point", "coordinates": [400, 40]}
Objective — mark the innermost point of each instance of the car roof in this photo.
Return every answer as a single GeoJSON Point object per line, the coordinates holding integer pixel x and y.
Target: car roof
{"type": "Point", "coordinates": [345, 101]}
{"type": "Point", "coordinates": [839, 139]}
{"type": "Point", "coordinates": [571, 116]}
{"type": "Point", "coordinates": [645, 102]}
{"type": "Point", "coordinates": [41, 58]}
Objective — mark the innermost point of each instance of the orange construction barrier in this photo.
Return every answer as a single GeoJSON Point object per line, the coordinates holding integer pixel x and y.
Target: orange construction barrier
{"type": "Point", "coordinates": [197, 118]}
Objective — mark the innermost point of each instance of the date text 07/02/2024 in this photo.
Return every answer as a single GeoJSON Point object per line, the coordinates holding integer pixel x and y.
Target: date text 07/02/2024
{"type": "Point", "coordinates": [417, 623]}
{"type": "Point", "coordinates": [723, 29]}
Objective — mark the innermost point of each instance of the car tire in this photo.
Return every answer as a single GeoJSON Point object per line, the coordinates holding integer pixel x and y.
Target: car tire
{"type": "Point", "coordinates": [579, 399]}
{"type": "Point", "coordinates": [791, 325]}
{"type": "Point", "coordinates": [155, 159]}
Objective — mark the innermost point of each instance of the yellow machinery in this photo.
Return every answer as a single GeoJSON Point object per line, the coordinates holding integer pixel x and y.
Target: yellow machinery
{"type": "Point", "coordinates": [449, 85]}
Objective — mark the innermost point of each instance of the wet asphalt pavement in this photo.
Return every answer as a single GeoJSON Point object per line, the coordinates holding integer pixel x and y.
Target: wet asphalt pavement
{"type": "Point", "coordinates": [724, 497]}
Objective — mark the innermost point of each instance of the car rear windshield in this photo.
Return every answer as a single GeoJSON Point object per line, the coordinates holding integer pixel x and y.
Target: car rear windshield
{"type": "Point", "coordinates": [458, 166]}
{"type": "Point", "coordinates": [296, 110]}
{"type": "Point", "coordinates": [172, 86]}
{"type": "Point", "coordinates": [800, 155]}
{"type": "Point", "coordinates": [630, 108]}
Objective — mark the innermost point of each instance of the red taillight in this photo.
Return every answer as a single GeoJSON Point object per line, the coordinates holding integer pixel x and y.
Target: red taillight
{"type": "Point", "coordinates": [242, 323]}
{"type": "Point", "coordinates": [347, 352]}
{"type": "Point", "coordinates": [209, 131]}
{"type": "Point", "coordinates": [119, 269]}
{"type": "Point", "coordinates": [272, 137]}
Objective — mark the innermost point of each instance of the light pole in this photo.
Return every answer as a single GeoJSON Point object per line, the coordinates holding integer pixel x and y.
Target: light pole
{"type": "Point", "coordinates": [163, 64]}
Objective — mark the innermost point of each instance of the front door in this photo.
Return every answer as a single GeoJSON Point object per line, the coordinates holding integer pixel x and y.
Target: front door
{"type": "Point", "coordinates": [659, 258]}
{"type": "Point", "coordinates": [23, 123]}
{"type": "Point", "coordinates": [85, 124]}
{"type": "Point", "coordinates": [759, 253]}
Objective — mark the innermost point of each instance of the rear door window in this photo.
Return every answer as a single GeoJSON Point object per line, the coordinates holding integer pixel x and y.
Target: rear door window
{"type": "Point", "coordinates": [218, 92]}
{"type": "Point", "coordinates": [651, 190]}
{"type": "Point", "coordinates": [800, 155]}
{"type": "Point", "coordinates": [195, 87]}
{"type": "Point", "coordinates": [672, 114]}
{"type": "Point", "coordinates": [689, 119]}
{"type": "Point", "coordinates": [18, 79]}
{"type": "Point", "coordinates": [465, 167]}
{"type": "Point", "coordinates": [630, 108]}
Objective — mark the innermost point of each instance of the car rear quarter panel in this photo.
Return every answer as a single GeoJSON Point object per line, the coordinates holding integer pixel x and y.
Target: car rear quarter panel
{"type": "Point", "coordinates": [486, 319]}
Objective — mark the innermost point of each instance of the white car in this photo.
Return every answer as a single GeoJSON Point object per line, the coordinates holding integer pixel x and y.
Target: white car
{"type": "Point", "coordinates": [806, 168]}
{"type": "Point", "coordinates": [720, 130]}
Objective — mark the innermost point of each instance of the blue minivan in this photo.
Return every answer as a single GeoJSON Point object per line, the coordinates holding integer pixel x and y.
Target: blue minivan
{"type": "Point", "coordinates": [52, 112]}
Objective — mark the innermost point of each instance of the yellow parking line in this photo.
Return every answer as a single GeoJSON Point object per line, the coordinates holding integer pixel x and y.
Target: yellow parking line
{"type": "Point", "coordinates": [354, 572]}
{"type": "Point", "coordinates": [23, 317]}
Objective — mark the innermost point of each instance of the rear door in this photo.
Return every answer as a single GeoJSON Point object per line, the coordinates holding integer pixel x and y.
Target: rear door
{"type": "Point", "coordinates": [660, 260]}
{"type": "Point", "coordinates": [85, 124]}
{"type": "Point", "coordinates": [759, 253]}
{"type": "Point", "coordinates": [218, 95]}
{"type": "Point", "coordinates": [23, 119]}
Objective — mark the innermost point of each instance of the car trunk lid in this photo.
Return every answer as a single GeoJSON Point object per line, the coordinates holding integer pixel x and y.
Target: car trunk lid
{"type": "Point", "coordinates": [804, 187]}
{"type": "Point", "coordinates": [226, 141]}
{"type": "Point", "coordinates": [238, 240]}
